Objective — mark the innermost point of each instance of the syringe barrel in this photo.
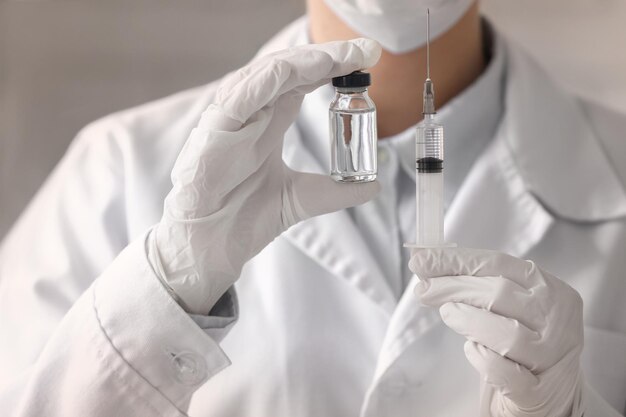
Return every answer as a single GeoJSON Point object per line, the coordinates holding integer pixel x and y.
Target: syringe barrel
{"type": "Point", "coordinates": [429, 145]}
{"type": "Point", "coordinates": [429, 183]}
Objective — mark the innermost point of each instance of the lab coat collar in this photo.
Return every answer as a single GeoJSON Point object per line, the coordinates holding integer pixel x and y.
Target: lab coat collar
{"type": "Point", "coordinates": [493, 208]}
{"type": "Point", "coordinates": [555, 148]}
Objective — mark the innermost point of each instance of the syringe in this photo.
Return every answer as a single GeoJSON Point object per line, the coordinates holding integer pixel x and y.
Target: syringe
{"type": "Point", "coordinates": [429, 167]}
{"type": "Point", "coordinates": [429, 174]}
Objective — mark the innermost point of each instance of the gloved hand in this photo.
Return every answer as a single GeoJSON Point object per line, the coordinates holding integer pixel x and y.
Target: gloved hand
{"type": "Point", "coordinates": [232, 193]}
{"type": "Point", "coordinates": [523, 326]}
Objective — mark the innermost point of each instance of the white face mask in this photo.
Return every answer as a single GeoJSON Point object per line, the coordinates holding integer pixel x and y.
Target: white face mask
{"type": "Point", "coordinates": [399, 25]}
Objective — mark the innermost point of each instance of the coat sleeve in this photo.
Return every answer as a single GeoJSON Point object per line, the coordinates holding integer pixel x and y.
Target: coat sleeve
{"type": "Point", "coordinates": [86, 328]}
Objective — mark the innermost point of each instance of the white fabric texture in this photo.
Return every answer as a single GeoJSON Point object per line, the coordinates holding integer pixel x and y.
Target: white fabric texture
{"type": "Point", "coordinates": [124, 331]}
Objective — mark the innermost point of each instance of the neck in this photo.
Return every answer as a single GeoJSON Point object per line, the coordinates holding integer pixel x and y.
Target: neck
{"type": "Point", "coordinates": [456, 59]}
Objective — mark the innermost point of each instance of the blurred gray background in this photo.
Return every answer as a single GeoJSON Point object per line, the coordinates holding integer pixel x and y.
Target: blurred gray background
{"type": "Point", "coordinates": [66, 63]}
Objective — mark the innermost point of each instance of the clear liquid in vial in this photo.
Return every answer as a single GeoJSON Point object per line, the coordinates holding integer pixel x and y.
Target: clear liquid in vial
{"type": "Point", "coordinates": [353, 145]}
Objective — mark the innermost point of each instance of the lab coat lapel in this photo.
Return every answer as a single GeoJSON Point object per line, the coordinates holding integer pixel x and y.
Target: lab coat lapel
{"type": "Point", "coordinates": [493, 209]}
{"type": "Point", "coordinates": [530, 173]}
{"type": "Point", "coordinates": [333, 239]}
{"type": "Point", "coordinates": [556, 148]}
{"type": "Point", "coordinates": [545, 161]}
{"type": "Point", "coordinates": [409, 324]}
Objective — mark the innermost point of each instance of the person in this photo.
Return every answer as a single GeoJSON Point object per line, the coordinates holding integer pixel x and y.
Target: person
{"type": "Point", "coordinates": [192, 255]}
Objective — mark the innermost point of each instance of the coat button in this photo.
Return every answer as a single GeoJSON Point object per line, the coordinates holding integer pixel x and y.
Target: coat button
{"type": "Point", "coordinates": [189, 368]}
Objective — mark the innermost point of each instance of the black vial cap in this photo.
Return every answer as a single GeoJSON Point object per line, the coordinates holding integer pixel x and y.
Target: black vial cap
{"type": "Point", "coordinates": [355, 80]}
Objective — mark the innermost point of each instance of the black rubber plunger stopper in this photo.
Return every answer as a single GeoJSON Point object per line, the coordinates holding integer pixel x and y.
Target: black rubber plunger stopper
{"type": "Point", "coordinates": [429, 165]}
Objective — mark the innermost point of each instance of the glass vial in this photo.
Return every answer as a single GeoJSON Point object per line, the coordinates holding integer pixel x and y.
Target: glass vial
{"type": "Point", "coordinates": [353, 135]}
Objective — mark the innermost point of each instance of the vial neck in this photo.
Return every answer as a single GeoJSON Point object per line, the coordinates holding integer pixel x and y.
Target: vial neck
{"type": "Point", "coordinates": [351, 90]}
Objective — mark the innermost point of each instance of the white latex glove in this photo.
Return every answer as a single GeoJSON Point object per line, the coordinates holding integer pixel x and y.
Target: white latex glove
{"type": "Point", "coordinates": [523, 326]}
{"type": "Point", "coordinates": [232, 193]}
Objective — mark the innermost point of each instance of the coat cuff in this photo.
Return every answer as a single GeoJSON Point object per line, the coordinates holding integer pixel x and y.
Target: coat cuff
{"type": "Point", "coordinates": [152, 333]}
{"type": "Point", "coordinates": [222, 316]}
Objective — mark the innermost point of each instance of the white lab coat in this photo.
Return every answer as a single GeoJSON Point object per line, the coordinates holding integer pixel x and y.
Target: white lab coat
{"type": "Point", "coordinates": [319, 332]}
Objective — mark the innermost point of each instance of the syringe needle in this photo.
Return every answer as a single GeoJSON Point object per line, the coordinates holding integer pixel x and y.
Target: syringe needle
{"type": "Point", "coordinates": [428, 43]}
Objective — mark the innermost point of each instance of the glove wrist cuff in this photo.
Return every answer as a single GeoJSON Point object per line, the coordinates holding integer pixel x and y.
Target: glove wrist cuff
{"type": "Point", "coordinates": [157, 266]}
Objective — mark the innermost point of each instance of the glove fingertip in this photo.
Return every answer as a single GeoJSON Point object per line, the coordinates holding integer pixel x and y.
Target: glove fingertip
{"type": "Point", "coordinates": [422, 262]}
{"type": "Point", "coordinates": [316, 194]}
{"type": "Point", "coordinates": [371, 51]}
{"type": "Point", "coordinates": [421, 287]}
{"type": "Point", "coordinates": [354, 194]}
{"type": "Point", "coordinates": [471, 349]}
{"type": "Point", "coordinates": [215, 118]}
{"type": "Point", "coordinates": [446, 310]}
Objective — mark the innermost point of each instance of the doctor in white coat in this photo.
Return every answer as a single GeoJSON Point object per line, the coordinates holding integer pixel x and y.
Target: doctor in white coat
{"type": "Point", "coordinates": [256, 286]}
